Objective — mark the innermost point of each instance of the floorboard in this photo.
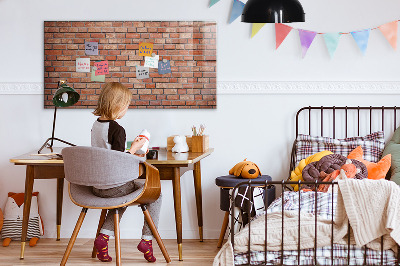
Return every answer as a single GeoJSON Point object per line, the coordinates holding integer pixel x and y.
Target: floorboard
{"type": "Point", "coordinates": [49, 252]}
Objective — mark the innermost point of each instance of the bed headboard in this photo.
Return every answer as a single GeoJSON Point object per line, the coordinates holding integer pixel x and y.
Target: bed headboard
{"type": "Point", "coordinates": [344, 121]}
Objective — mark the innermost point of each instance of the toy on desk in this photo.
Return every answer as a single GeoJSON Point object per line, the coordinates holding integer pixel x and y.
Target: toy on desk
{"type": "Point", "coordinates": [144, 134]}
{"type": "Point", "coordinates": [245, 169]}
{"type": "Point", "coordinates": [180, 144]}
{"type": "Point", "coordinates": [13, 215]}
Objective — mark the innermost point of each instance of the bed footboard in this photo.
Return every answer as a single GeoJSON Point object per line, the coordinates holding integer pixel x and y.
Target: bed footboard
{"type": "Point", "coordinates": [299, 256]}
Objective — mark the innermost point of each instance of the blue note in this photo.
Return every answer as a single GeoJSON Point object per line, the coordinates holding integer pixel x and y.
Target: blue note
{"type": "Point", "coordinates": [164, 67]}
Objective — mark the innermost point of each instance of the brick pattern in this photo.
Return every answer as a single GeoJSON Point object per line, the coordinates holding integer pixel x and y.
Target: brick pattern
{"type": "Point", "coordinates": [189, 45]}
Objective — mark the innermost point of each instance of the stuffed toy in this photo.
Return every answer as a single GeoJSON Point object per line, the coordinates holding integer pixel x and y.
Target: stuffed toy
{"type": "Point", "coordinates": [13, 215]}
{"type": "Point", "coordinates": [375, 170]}
{"type": "Point", "coordinates": [180, 144]}
{"type": "Point", "coordinates": [296, 174]}
{"type": "Point", "coordinates": [245, 169]}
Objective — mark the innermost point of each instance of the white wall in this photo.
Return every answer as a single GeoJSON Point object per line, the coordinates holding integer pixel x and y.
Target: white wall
{"type": "Point", "coordinates": [258, 126]}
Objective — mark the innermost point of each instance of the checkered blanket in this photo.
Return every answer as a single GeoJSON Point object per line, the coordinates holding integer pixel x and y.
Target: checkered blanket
{"type": "Point", "coordinates": [324, 257]}
{"type": "Point", "coordinates": [323, 205]}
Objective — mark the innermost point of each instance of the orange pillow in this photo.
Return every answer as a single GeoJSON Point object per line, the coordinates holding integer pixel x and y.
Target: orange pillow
{"type": "Point", "coordinates": [375, 170]}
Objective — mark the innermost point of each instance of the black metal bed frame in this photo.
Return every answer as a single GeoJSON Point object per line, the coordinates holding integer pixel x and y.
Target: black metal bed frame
{"type": "Point", "coordinates": [284, 184]}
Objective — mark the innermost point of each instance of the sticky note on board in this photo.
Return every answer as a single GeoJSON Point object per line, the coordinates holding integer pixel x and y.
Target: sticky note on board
{"type": "Point", "coordinates": [164, 67]}
{"type": "Point", "coordinates": [145, 49]}
{"type": "Point", "coordinates": [99, 78]}
{"type": "Point", "coordinates": [83, 64]}
{"type": "Point", "coordinates": [152, 61]}
{"type": "Point", "coordinates": [91, 48]}
{"type": "Point", "coordinates": [102, 68]}
{"type": "Point", "coordinates": [142, 72]}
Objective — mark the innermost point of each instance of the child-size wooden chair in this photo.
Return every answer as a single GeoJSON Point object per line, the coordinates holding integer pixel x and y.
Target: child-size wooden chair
{"type": "Point", "coordinates": [85, 167]}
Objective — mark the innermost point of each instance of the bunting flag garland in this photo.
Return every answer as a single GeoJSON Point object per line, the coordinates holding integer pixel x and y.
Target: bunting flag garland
{"type": "Point", "coordinates": [361, 38]}
{"type": "Point", "coordinates": [256, 28]}
{"type": "Point", "coordinates": [306, 39]}
{"type": "Point", "coordinates": [332, 41]}
{"type": "Point", "coordinates": [389, 30]}
{"type": "Point", "coordinates": [281, 31]}
{"type": "Point", "coordinates": [213, 2]}
{"type": "Point", "coordinates": [237, 9]}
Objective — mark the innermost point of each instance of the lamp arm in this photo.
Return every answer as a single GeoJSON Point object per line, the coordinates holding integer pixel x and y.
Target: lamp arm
{"type": "Point", "coordinates": [46, 143]}
{"type": "Point", "coordinates": [54, 125]}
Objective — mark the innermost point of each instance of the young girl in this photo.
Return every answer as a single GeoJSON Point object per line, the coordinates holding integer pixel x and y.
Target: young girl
{"type": "Point", "coordinates": [113, 103]}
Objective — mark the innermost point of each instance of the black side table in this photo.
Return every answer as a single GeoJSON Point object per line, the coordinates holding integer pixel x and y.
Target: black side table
{"type": "Point", "coordinates": [228, 182]}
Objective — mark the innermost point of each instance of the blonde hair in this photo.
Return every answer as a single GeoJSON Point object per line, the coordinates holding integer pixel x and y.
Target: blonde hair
{"type": "Point", "coordinates": [113, 97]}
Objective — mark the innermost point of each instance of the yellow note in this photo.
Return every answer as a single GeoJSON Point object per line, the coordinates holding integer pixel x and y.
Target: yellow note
{"type": "Point", "coordinates": [145, 49]}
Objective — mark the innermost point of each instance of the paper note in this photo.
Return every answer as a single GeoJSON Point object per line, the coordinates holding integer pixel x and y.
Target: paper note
{"type": "Point", "coordinates": [99, 78]}
{"type": "Point", "coordinates": [142, 72]}
{"type": "Point", "coordinates": [91, 48]}
{"type": "Point", "coordinates": [164, 67]}
{"type": "Point", "coordinates": [152, 61]}
{"type": "Point", "coordinates": [102, 68]}
{"type": "Point", "coordinates": [145, 49]}
{"type": "Point", "coordinates": [83, 65]}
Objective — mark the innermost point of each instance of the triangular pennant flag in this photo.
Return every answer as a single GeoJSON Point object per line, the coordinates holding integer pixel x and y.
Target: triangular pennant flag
{"type": "Point", "coordinates": [256, 28]}
{"type": "Point", "coordinates": [361, 37]}
{"type": "Point", "coordinates": [306, 39]}
{"type": "Point", "coordinates": [332, 41]}
{"type": "Point", "coordinates": [389, 30]}
{"type": "Point", "coordinates": [237, 9]}
{"type": "Point", "coordinates": [281, 31]}
{"type": "Point", "coordinates": [213, 2]}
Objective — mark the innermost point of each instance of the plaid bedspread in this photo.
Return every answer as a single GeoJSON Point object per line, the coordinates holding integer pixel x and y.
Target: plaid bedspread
{"type": "Point", "coordinates": [321, 205]}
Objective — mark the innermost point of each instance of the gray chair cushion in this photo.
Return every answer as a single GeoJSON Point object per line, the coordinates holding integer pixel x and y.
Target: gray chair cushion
{"type": "Point", "coordinates": [84, 196]}
{"type": "Point", "coordinates": [99, 167]}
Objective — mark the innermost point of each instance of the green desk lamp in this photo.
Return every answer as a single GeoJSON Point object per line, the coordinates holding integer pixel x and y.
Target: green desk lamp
{"type": "Point", "coordinates": [64, 96]}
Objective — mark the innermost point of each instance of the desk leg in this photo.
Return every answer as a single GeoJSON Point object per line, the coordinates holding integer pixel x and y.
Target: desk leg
{"type": "Point", "coordinates": [199, 204]}
{"type": "Point", "coordinates": [60, 190]}
{"type": "Point", "coordinates": [176, 182]}
{"type": "Point", "coordinates": [27, 206]}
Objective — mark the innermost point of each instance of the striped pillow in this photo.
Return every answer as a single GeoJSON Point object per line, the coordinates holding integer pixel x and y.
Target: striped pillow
{"type": "Point", "coordinates": [372, 145]}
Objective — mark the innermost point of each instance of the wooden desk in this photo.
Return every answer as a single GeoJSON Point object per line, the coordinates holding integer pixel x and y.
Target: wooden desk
{"type": "Point", "coordinates": [40, 167]}
{"type": "Point", "coordinates": [171, 167]}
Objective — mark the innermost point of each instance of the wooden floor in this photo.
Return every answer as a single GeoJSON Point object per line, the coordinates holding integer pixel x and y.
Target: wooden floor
{"type": "Point", "coordinates": [50, 252]}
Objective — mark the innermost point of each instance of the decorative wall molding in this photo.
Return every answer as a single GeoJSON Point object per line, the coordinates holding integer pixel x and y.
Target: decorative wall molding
{"type": "Point", "coordinates": [309, 87]}
{"type": "Point", "coordinates": [21, 88]}
{"type": "Point", "coordinates": [260, 87]}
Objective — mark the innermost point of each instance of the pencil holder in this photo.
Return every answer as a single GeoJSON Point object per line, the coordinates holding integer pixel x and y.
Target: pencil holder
{"type": "Point", "coordinates": [200, 143]}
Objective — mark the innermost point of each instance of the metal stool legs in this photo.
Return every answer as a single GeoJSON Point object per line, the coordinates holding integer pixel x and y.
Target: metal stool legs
{"type": "Point", "coordinates": [223, 229]}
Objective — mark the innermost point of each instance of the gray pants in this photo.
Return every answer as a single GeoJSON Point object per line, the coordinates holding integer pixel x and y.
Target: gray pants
{"type": "Point", "coordinates": [153, 208]}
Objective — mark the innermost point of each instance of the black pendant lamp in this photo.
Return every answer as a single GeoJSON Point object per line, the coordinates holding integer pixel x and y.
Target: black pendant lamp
{"type": "Point", "coordinates": [273, 11]}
